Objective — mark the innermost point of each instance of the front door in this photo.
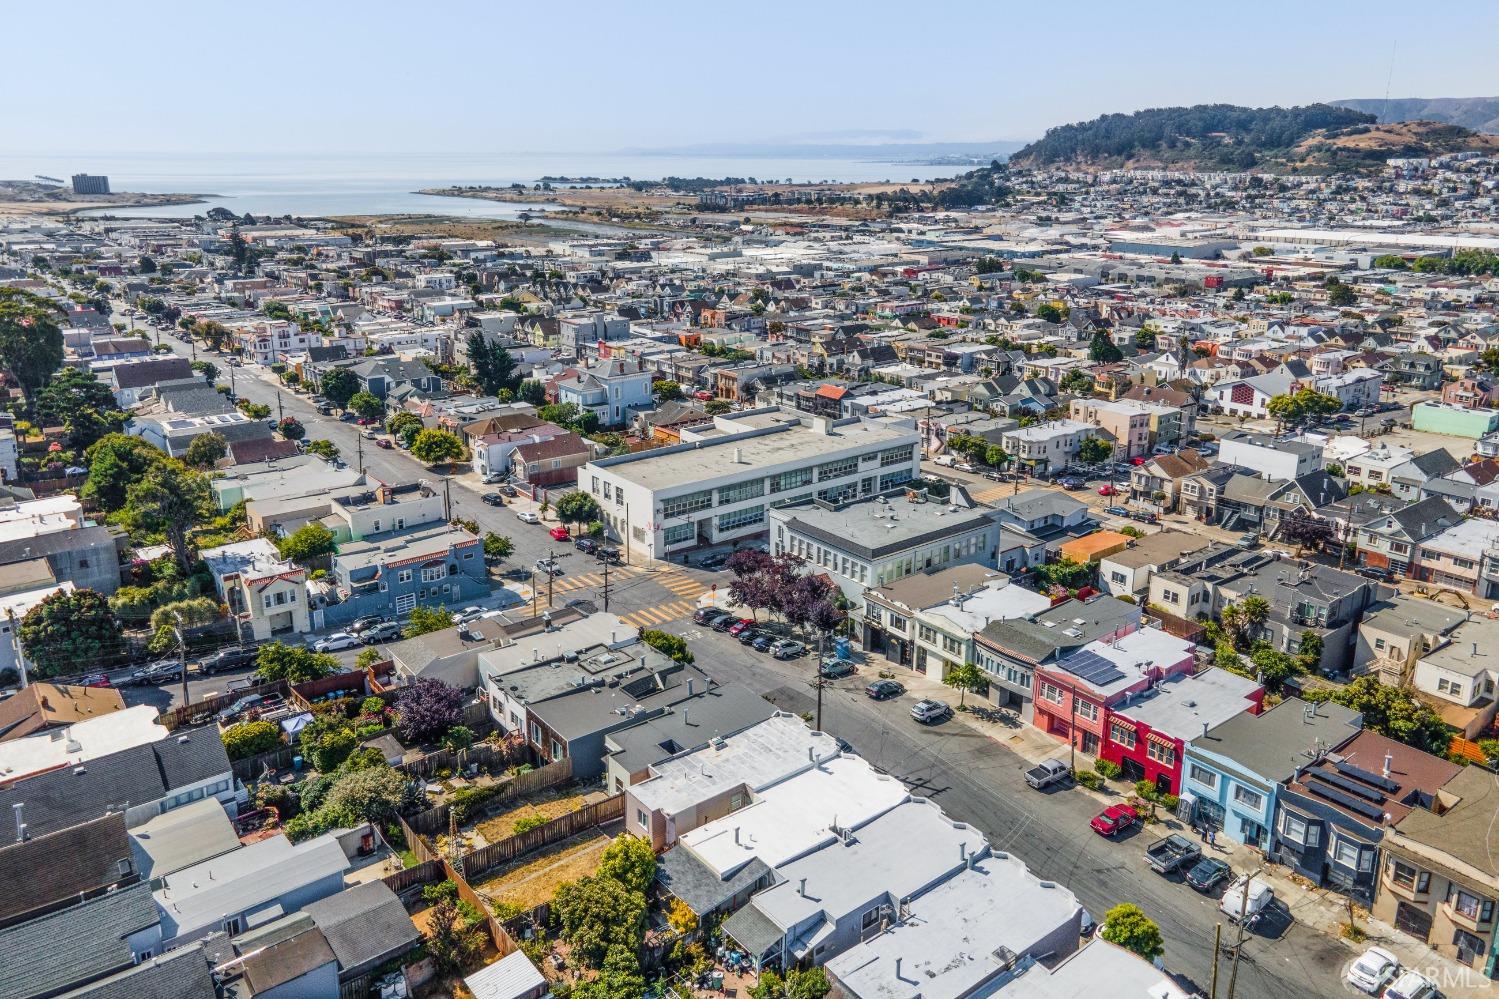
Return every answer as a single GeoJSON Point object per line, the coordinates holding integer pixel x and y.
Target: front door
{"type": "Point", "coordinates": [1090, 744]}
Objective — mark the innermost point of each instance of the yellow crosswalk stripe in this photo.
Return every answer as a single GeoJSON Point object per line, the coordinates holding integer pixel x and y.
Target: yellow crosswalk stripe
{"type": "Point", "coordinates": [651, 616]}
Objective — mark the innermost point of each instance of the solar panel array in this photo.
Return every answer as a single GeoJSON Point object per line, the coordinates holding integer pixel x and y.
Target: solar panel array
{"type": "Point", "coordinates": [1373, 780]}
{"type": "Point", "coordinates": [1351, 786]}
{"type": "Point", "coordinates": [1348, 801]}
{"type": "Point", "coordinates": [1092, 667]}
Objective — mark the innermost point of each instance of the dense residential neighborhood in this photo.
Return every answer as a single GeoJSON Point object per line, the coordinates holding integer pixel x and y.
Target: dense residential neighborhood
{"type": "Point", "coordinates": [970, 599]}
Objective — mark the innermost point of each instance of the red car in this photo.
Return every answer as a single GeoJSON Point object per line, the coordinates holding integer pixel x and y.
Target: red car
{"type": "Point", "coordinates": [559, 533]}
{"type": "Point", "coordinates": [702, 395]}
{"type": "Point", "coordinates": [1107, 490]}
{"type": "Point", "coordinates": [739, 625]}
{"type": "Point", "coordinates": [383, 442]}
{"type": "Point", "coordinates": [95, 680]}
{"type": "Point", "coordinates": [1114, 820]}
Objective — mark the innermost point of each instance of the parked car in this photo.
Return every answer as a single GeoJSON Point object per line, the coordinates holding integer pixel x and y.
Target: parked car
{"type": "Point", "coordinates": [157, 673]}
{"type": "Point", "coordinates": [1114, 820]}
{"type": "Point", "coordinates": [239, 707]}
{"type": "Point", "coordinates": [1107, 490]}
{"type": "Point", "coordinates": [383, 442]}
{"type": "Point", "coordinates": [548, 566]}
{"type": "Point", "coordinates": [560, 533]}
{"type": "Point", "coordinates": [370, 435]}
{"type": "Point", "coordinates": [883, 690]}
{"type": "Point", "coordinates": [385, 631]}
{"type": "Point", "coordinates": [1375, 572]}
{"type": "Point", "coordinates": [749, 635]}
{"type": "Point", "coordinates": [95, 680]}
{"type": "Point", "coordinates": [336, 642]}
{"type": "Point", "coordinates": [610, 554]}
{"type": "Point", "coordinates": [493, 499]}
{"type": "Point", "coordinates": [468, 614]}
{"type": "Point", "coordinates": [929, 710]}
{"type": "Point", "coordinates": [1374, 969]}
{"type": "Point", "coordinates": [703, 614]}
{"type": "Point", "coordinates": [527, 517]}
{"type": "Point", "coordinates": [764, 642]}
{"type": "Point", "coordinates": [227, 659]}
{"type": "Point", "coordinates": [1208, 873]}
{"type": "Point", "coordinates": [742, 625]}
{"type": "Point", "coordinates": [1246, 899]}
{"type": "Point", "coordinates": [1173, 853]}
{"type": "Point", "coordinates": [1046, 773]}
{"type": "Point", "coordinates": [1117, 511]}
{"type": "Point", "coordinates": [1144, 517]}
{"type": "Point", "coordinates": [836, 669]}
{"type": "Point", "coordinates": [787, 648]}
{"type": "Point", "coordinates": [361, 623]}
{"type": "Point", "coordinates": [586, 545]}
{"type": "Point", "coordinates": [725, 623]}
{"type": "Point", "coordinates": [1070, 482]}
{"type": "Point", "coordinates": [1412, 985]}
{"type": "Point", "coordinates": [1248, 541]}
{"type": "Point", "coordinates": [703, 395]}
{"type": "Point", "coordinates": [714, 560]}
{"type": "Point", "coordinates": [508, 489]}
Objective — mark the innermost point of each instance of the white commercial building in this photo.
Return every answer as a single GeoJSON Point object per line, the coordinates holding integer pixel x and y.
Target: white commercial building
{"type": "Point", "coordinates": [720, 484]}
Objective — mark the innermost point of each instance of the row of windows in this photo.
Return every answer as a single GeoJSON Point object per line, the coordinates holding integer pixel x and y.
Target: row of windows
{"type": "Point", "coordinates": [894, 479]}
{"type": "Point", "coordinates": [837, 469]}
{"type": "Point", "coordinates": [897, 454]}
{"type": "Point", "coordinates": [742, 518]}
{"type": "Point", "coordinates": [679, 506]}
{"type": "Point", "coordinates": [742, 491]}
{"type": "Point", "coordinates": [790, 480]}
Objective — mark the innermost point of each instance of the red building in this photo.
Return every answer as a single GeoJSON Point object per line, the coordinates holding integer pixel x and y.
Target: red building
{"type": "Point", "coordinates": [1134, 699]}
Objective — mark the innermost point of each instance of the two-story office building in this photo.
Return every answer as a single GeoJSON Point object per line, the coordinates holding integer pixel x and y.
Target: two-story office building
{"type": "Point", "coordinates": [1275, 458]}
{"type": "Point", "coordinates": [720, 484]}
{"type": "Point", "coordinates": [878, 540]}
{"type": "Point", "coordinates": [1231, 774]}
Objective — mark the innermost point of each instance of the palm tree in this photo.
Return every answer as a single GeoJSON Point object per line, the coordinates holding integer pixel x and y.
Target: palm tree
{"type": "Point", "coordinates": [1255, 611]}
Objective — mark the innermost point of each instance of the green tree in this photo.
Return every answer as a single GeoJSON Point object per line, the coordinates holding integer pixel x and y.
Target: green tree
{"type": "Point", "coordinates": [576, 508]}
{"type": "Point", "coordinates": [532, 391]}
{"type": "Point", "coordinates": [404, 425]}
{"type": "Point", "coordinates": [1338, 293]}
{"type": "Point", "coordinates": [966, 679]}
{"type": "Point", "coordinates": [145, 265]}
{"type": "Point", "coordinates": [325, 449]}
{"type": "Point", "coordinates": [1065, 573]}
{"type": "Point", "coordinates": [1145, 338]}
{"type": "Point", "coordinates": [1309, 649]}
{"type": "Point", "coordinates": [291, 428]}
{"type": "Point", "coordinates": [1101, 349]}
{"type": "Point", "coordinates": [207, 369]}
{"type": "Point", "coordinates": [427, 619]}
{"type": "Point", "coordinates": [1094, 450]}
{"type": "Point", "coordinates": [214, 334]}
{"type": "Point", "coordinates": [1390, 262]}
{"type": "Point", "coordinates": [435, 447]}
{"type": "Point", "coordinates": [666, 390]}
{"type": "Point", "coordinates": [1127, 926]}
{"type": "Point", "coordinates": [70, 633]}
{"type": "Point", "coordinates": [619, 978]}
{"type": "Point", "coordinates": [452, 943]}
{"type": "Point", "coordinates": [596, 913]}
{"type": "Point", "coordinates": [338, 386]}
{"type": "Point", "coordinates": [170, 499]}
{"type": "Point", "coordinates": [189, 612]}
{"type": "Point", "coordinates": [114, 462]}
{"type": "Point", "coordinates": [1077, 381]}
{"type": "Point", "coordinates": [497, 546]}
{"type": "Point", "coordinates": [251, 739]}
{"type": "Point", "coordinates": [293, 663]}
{"type": "Point", "coordinates": [206, 450]}
{"type": "Point", "coordinates": [366, 405]}
{"type": "Point", "coordinates": [996, 456]}
{"type": "Point", "coordinates": [630, 861]}
{"type": "Point", "coordinates": [1050, 312]}
{"type": "Point", "coordinates": [492, 363]}
{"type": "Point", "coordinates": [717, 407]}
{"type": "Point", "coordinates": [1391, 712]}
{"type": "Point", "coordinates": [30, 338]}
{"type": "Point", "coordinates": [310, 541]}
{"type": "Point", "coordinates": [672, 646]}
{"type": "Point", "coordinates": [77, 401]}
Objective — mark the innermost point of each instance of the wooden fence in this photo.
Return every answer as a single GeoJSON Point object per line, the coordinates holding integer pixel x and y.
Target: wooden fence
{"type": "Point", "coordinates": [416, 843]}
{"type": "Point", "coordinates": [487, 858]}
{"type": "Point", "coordinates": [426, 873]}
{"type": "Point", "coordinates": [434, 821]}
{"type": "Point", "coordinates": [1192, 631]}
{"type": "Point", "coordinates": [250, 768]}
{"type": "Point", "coordinates": [487, 755]}
{"type": "Point", "coordinates": [204, 710]}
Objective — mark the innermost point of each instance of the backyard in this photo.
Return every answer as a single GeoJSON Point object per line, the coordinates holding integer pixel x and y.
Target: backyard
{"type": "Point", "coordinates": [529, 882]}
{"type": "Point", "coordinates": [532, 811]}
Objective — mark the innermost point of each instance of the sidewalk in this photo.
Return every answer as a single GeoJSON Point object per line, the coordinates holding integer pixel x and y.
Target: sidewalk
{"type": "Point", "coordinates": [1320, 909]}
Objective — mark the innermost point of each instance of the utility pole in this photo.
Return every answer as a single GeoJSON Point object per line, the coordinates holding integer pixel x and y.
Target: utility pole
{"type": "Point", "coordinates": [820, 682]}
{"type": "Point", "coordinates": [604, 592]}
{"type": "Point", "coordinates": [181, 653]}
{"type": "Point", "coordinates": [551, 564]}
{"type": "Point", "coordinates": [359, 443]}
{"type": "Point", "coordinates": [533, 593]}
{"type": "Point", "coordinates": [447, 495]}
{"type": "Point", "coordinates": [231, 374]}
{"type": "Point", "coordinates": [1233, 974]}
{"type": "Point", "coordinates": [280, 414]}
{"type": "Point", "coordinates": [15, 640]}
{"type": "Point", "coordinates": [1217, 942]}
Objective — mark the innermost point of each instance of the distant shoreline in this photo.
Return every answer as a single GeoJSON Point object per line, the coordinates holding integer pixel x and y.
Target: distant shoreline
{"type": "Point", "coordinates": [72, 204]}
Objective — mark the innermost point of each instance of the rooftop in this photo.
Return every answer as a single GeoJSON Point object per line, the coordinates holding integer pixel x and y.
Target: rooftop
{"type": "Point", "coordinates": [1183, 706]}
{"type": "Point", "coordinates": [1269, 747]}
{"type": "Point", "coordinates": [76, 744]}
{"type": "Point", "coordinates": [878, 526]}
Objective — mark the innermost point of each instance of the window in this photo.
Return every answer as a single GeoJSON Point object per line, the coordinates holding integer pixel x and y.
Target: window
{"type": "Point", "coordinates": [1203, 776]}
{"type": "Point", "coordinates": [742, 518]}
{"type": "Point", "coordinates": [897, 454]}
{"type": "Point", "coordinates": [1117, 577]}
{"type": "Point", "coordinates": [1085, 709]}
{"type": "Point", "coordinates": [837, 469]}
{"type": "Point", "coordinates": [894, 479]}
{"type": "Point", "coordinates": [1122, 735]}
{"type": "Point", "coordinates": [432, 574]}
{"type": "Point", "coordinates": [535, 733]}
{"type": "Point", "coordinates": [1164, 755]}
{"type": "Point", "coordinates": [790, 480]}
{"type": "Point", "coordinates": [1248, 798]}
{"type": "Point", "coordinates": [896, 622]}
{"type": "Point", "coordinates": [743, 491]}
{"type": "Point", "coordinates": [1051, 692]}
{"type": "Point", "coordinates": [556, 750]}
{"type": "Point", "coordinates": [679, 506]}
{"type": "Point", "coordinates": [1346, 853]}
{"type": "Point", "coordinates": [870, 918]}
{"type": "Point", "coordinates": [641, 818]}
{"type": "Point", "coordinates": [677, 533]}
{"type": "Point", "coordinates": [951, 644]}
{"type": "Point", "coordinates": [929, 634]}
{"type": "Point", "coordinates": [1299, 830]}
{"type": "Point", "coordinates": [404, 576]}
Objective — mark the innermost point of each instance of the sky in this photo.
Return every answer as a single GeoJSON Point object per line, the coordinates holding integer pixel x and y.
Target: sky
{"type": "Point", "coordinates": [337, 77]}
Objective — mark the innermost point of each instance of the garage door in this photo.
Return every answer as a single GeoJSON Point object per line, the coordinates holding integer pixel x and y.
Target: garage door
{"type": "Point", "coordinates": [1413, 920]}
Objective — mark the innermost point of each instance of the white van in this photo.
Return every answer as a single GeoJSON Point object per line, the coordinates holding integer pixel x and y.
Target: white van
{"type": "Point", "coordinates": [945, 460]}
{"type": "Point", "coordinates": [1237, 904]}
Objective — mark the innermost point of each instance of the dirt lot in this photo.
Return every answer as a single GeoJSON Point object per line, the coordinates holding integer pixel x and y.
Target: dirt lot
{"type": "Point", "coordinates": [533, 880]}
{"type": "Point", "coordinates": [547, 805]}
{"type": "Point", "coordinates": [448, 227]}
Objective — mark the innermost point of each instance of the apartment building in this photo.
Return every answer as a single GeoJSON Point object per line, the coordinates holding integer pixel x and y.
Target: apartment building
{"type": "Point", "coordinates": [1126, 424]}
{"type": "Point", "coordinates": [266, 595]}
{"type": "Point", "coordinates": [1044, 448]}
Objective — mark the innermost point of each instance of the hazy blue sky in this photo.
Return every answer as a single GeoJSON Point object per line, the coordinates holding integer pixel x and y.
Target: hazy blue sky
{"type": "Point", "coordinates": [327, 76]}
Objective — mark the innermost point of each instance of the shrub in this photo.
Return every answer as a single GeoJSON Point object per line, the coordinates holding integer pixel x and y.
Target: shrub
{"type": "Point", "coordinates": [1108, 769]}
{"type": "Point", "coordinates": [527, 823]}
{"type": "Point", "coordinates": [1169, 802]}
{"type": "Point", "coordinates": [1090, 779]}
{"type": "Point", "coordinates": [1146, 789]}
{"type": "Point", "coordinates": [251, 739]}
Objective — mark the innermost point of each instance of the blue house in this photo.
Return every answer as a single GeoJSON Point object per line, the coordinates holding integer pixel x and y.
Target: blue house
{"type": "Point", "coordinates": [391, 573]}
{"type": "Point", "coordinates": [1232, 774]}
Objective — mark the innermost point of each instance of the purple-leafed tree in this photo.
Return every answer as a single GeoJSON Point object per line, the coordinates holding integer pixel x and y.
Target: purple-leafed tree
{"type": "Point", "coordinates": [427, 708]}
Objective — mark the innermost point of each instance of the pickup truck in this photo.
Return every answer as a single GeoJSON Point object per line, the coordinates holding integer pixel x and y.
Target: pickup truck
{"type": "Point", "coordinates": [1172, 854]}
{"type": "Point", "coordinates": [1046, 773]}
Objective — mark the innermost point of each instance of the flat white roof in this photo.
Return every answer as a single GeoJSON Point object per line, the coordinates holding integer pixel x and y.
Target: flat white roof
{"type": "Point", "coordinates": [993, 603]}
{"type": "Point", "coordinates": [796, 816]}
{"type": "Point", "coordinates": [757, 757]}
{"type": "Point", "coordinates": [80, 742]}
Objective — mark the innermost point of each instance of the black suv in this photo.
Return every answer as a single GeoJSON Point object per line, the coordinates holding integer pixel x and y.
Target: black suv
{"type": "Point", "coordinates": [587, 546]}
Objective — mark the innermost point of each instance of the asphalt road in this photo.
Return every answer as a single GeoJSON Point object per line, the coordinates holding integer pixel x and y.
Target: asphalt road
{"type": "Point", "coordinates": [976, 779]}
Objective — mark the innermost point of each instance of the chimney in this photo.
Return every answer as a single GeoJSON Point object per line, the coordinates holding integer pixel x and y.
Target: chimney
{"type": "Point", "coordinates": [685, 722]}
{"type": "Point", "coordinates": [1388, 759]}
{"type": "Point", "coordinates": [736, 835]}
{"type": "Point", "coordinates": [802, 890]}
{"type": "Point", "coordinates": [738, 456]}
{"type": "Point", "coordinates": [691, 689]}
{"type": "Point", "coordinates": [963, 853]}
{"type": "Point", "coordinates": [897, 971]}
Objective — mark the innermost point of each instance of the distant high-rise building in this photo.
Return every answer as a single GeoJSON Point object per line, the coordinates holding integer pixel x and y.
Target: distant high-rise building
{"type": "Point", "coordinates": [89, 183]}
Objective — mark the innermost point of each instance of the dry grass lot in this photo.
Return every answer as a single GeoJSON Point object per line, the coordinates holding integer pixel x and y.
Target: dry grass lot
{"type": "Point", "coordinates": [533, 880]}
{"type": "Point", "coordinates": [546, 805]}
